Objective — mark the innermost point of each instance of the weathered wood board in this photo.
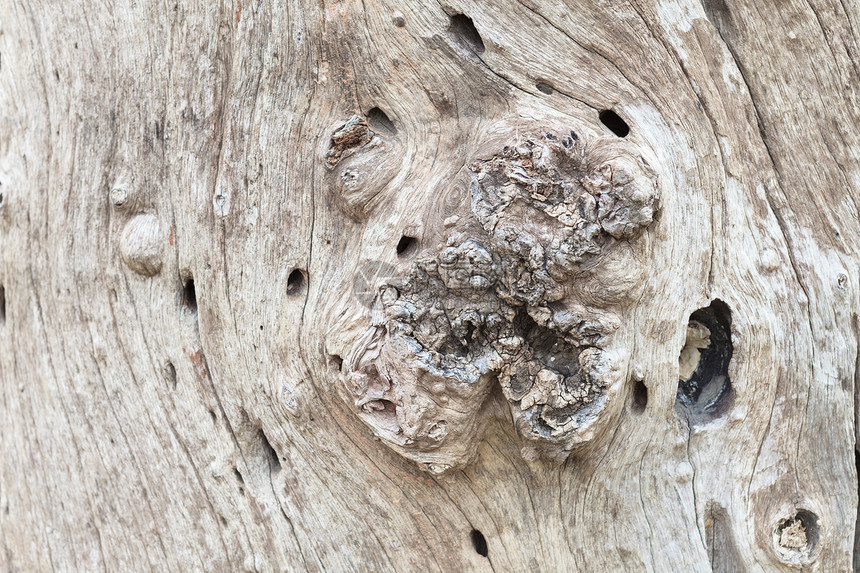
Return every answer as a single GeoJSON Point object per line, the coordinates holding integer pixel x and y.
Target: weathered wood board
{"type": "Point", "coordinates": [203, 207]}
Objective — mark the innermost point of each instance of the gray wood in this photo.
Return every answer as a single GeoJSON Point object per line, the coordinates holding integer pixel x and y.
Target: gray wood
{"type": "Point", "coordinates": [194, 236]}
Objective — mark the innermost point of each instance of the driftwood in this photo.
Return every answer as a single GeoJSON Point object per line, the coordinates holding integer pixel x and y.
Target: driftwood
{"type": "Point", "coordinates": [355, 286]}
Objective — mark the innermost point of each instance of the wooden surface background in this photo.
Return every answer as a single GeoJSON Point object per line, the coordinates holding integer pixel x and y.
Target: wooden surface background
{"type": "Point", "coordinates": [152, 423]}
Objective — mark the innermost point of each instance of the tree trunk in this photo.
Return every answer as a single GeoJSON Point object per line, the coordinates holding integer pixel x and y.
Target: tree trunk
{"type": "Point", "coordinates": [405, 286]}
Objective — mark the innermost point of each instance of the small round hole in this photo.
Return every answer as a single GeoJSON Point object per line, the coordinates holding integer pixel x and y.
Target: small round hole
{"type": "Point", "coordinates": [296, 282]}
{"type": "Point", "coordinates": [479, 542]}
{"type": "Point", "coordinates": [545, 88]}
{"type": "Point", "coordinates": [640, 397]}
{"type": "Point", "coordinates": [614, 122]}
{"type": "Point", "coordinates": [407, 246]}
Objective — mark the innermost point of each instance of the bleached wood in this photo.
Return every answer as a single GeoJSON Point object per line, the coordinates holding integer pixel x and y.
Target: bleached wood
{"type": "Point", "coordinates": [143, 146]}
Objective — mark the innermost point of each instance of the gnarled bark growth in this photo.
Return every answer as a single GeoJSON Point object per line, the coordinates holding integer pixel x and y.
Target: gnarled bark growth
{"type": "Point", "coordinates": [592, 265]}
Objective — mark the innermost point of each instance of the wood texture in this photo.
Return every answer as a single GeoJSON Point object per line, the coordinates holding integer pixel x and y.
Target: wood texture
{"type": "Point", "coordinates": [186, 268]}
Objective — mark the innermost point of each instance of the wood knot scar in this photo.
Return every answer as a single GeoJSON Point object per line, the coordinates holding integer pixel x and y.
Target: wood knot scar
{"type": "Point", "coordinates": [497, 303]}
{"type": "Point", "coordinates": [354, 133]}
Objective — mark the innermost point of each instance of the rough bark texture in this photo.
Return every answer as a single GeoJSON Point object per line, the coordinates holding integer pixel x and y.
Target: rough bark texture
{"type": "Point", "coordinates": [522, 286]}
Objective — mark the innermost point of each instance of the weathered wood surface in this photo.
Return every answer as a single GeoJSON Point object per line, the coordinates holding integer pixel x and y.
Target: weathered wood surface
{"type": "Point", "coordinates": [149, 423]}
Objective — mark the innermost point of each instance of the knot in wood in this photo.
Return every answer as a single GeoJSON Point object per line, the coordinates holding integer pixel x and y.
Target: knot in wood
{"type": "Point", "coordinates": [354, 133]}
{"type": "Point", "coordinates": [142, 244]}
{"type": "Point", "coordinates": [496, 304]}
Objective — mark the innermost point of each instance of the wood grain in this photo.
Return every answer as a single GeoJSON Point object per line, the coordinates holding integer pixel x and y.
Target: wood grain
{"type": "Point", "coordinates": [173, 400]}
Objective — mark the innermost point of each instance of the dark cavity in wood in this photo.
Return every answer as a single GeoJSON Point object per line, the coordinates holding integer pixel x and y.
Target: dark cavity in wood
{"type": "Point", "coordinates": [544, 87]}
{"type": "Point", "coordinates": [462, 28]}
{"type": "Point", "coordinates": [407, 246]}
{"type": "Point", "coordinates": [720, 542]}
{"type": "Point", "coordinates": [706, 393]}
{"type": "Point", "coordinates": [379, 122]}
{"type": "Point", "coordinates": [719, 15]}
{"type": "Point", "coordinates": [614, 123]}
{"type": "Point", "coordinates": [169, 372]}
{"type": "Point", "coordinates": [271, 454]}
{"type": "Point", "coordinates": [189, 296]}
{"type": "Point", "coordinates": [296, 283]}
{"type": "Point", "coordinates": [796, 538]}
{"type": "Point", "coordinates": [640, 397]}
{"type": "Point", "coordinates": [479, 542]}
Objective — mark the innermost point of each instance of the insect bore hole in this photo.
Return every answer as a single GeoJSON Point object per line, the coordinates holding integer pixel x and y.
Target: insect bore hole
{"type": "Point", "coordinates": [479, 542]}
{"type": "Point", "coordinates": [296, 283]}
{"type": "Point", "coordinates": [271, 454]}
{"type": "Point", "coordinates": [544, 87]}
{"type": "Point", "coordinates": [379, 122]}
{"type": "Point", "coordinates": [795, 538]}
{"type": "Point", "coordinates": [640, 397]}
{"type": "Point", "coordinates": [407, 246]}
{"type": "Point", "coordinates": [614, 123]}
{"type": "Point", "coordinates": [169, 372]}
{"type": "Point", "coordinates": [189, 295]}
{"type": "Point", "coordinates": [463, 28]}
